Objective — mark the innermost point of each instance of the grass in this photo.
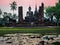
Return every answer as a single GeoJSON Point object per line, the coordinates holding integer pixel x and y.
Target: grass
{"type": "Point", "coordinates": [41, 30]}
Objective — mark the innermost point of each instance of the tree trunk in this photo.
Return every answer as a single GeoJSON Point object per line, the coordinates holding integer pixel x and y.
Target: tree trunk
{"type": "Point", "coordinates": [13, 12]}
{"type": "Point", "coordinates": [51, 18]}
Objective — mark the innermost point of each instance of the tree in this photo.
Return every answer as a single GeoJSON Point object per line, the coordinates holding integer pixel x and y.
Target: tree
{"type": "Point", "coordinates": [55, 11]}
{"type": "Point", "coordinates": [5, 14]}
{"type": "Point", "coordinates": [50, 12]}
{"type": "Point", "coordinates": [14, 17]}
{"type": "Point", "coordinates": [9, 15]}
{"type": "Point", "coordinates": [13, 6]}
{"type": "Point", "coordinates": [0, 12]}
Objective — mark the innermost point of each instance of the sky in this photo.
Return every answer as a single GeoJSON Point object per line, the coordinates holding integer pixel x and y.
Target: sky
{"type": "Point", "coordinates": [5, 4]}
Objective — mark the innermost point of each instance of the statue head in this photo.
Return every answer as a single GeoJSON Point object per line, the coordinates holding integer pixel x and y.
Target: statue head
{"type": "Point", "coordinates": [29, 8]}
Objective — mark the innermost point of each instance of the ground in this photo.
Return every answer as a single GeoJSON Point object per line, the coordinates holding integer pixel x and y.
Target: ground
{"type": "Point", "coordinates": [29, 39]}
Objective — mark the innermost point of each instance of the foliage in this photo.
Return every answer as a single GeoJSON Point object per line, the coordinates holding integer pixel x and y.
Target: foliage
{"type": "Point", "coordinates": [54, 11]}
{"type": "Point", "coordinates": [14, 16]}
{"type": "Point", "coordinates": [10, 15]}
{"type": "Point", "coordinates": [50, 12]}
{"type": "Point", "coordinates": [5, 14]}
{"type": "Point", "coordinates": [57, 12]}
{"type": "Point", "coordinates": [13, 6]}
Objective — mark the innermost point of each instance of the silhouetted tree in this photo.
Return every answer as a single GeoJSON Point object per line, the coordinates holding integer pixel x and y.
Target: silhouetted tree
{"type": "Point", "coordinates": [13, 6]}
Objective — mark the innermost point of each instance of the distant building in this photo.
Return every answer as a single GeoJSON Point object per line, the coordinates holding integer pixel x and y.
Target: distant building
{"type": "Point", "coordinates": [20, 14]}
{"type": "Point", "coordinates": [37, 17]}
{"type": "Point", "coordinates": [31, 19]}
{"type": "Point", "coordinates": [36, 13]}
{"type": "Point", "coordinates": [41, 12]}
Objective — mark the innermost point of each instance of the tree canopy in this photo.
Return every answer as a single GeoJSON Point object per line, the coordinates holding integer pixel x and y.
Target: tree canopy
{"type": "Point", "coordinates": [54, 11]}
{"type": "Point", "coordinates": [13, 6]}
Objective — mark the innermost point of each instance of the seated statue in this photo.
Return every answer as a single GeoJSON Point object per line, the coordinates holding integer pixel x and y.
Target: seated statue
{"type": "Point", "coordinates": [29, 15]}
{"type": "Point", "coordinates": [29, 12]}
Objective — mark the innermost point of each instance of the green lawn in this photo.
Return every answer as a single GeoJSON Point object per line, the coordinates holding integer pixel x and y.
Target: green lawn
{"type": "Point", "coordinates": [41, 30]}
